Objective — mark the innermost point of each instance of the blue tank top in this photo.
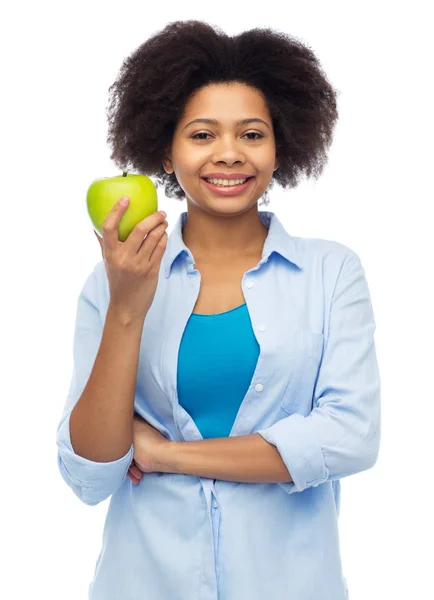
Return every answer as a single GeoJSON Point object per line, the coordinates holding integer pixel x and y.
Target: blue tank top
{"type": "Point", "coordinates": [216, 362]}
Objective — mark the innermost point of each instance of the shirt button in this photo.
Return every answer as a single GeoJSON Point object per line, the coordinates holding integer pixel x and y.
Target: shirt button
{"type": "Point", "coordinates": [262, 327]}
{"type": "Point", "coordinates": [214, 504]}
{"type": "Point", "coordinates": [259, 387]}
{"type": "Point", "coordinates": [249, 283]}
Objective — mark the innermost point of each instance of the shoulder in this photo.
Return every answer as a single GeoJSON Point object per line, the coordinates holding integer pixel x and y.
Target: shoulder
{"type": "Point", "coordinates": [330, 258]}
{"type": "Point", "coordinates": [95, 285]}
{"type": "Point", "coordinates": [99, 271]}
{"type": "Point", "coordinates": [95, 276]}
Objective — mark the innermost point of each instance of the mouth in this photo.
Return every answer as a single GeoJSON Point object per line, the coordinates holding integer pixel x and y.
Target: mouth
{"type": "Point", "coordinates": [228, 190]}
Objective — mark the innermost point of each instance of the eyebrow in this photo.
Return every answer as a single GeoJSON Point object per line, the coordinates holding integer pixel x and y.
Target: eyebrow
{"type": "Point", "coordinates": [240, 122]}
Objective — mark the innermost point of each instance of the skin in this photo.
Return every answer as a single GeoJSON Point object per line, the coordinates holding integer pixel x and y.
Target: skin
{"type": "Point", "coordinates": [221, 228]}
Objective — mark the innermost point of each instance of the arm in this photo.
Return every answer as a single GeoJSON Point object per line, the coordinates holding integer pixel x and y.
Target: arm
{"type": "Point", "coordinates": [101, 423]}
{"type": "Point", "coordinates": [246, 458]}
{"type": "Point", "coordinates": [95, 433]}
{"type": "Point", "coordinates": [341, 435]}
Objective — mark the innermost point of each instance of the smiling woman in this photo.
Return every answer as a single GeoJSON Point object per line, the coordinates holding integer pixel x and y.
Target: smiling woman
{"type": "Point", "coordinates": [255, 363]}
{"type": "Point", "coordinates": [218, 120]}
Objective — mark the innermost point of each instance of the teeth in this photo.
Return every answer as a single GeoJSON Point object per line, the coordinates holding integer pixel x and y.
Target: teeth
{"type": "Point", "coordinates": [228, 182]}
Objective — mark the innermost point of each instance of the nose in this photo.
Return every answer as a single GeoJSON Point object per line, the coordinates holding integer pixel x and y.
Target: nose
{"type": "Point", "coordinates": [229, 154]}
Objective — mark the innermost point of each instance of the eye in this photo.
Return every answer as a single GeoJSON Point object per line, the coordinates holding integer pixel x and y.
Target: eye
{"type": "Point", "coordinates": [194, 137]}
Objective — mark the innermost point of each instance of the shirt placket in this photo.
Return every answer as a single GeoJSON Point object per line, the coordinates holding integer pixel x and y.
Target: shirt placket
{"type": "Point", "coordinates": [213, 505]}
{"type": "Point", "coordinates": [215, 519]}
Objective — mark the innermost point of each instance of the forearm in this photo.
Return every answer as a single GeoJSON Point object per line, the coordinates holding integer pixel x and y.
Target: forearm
{"type": "Point", "coordinates": [101, 423]}
{"type": "Point", "coordinates": [247, 458]}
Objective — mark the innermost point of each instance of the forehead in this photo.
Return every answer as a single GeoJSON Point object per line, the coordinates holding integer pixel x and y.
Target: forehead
{"type": "Point", "coordinates": [225, 102]}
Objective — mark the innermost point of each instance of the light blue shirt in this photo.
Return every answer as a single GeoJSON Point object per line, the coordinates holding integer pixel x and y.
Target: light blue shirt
{"type": "Point", "coordinates": [297, 364]}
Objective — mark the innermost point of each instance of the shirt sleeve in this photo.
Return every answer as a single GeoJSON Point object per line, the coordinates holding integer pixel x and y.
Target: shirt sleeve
{"type": "Point", "coordinates": [341, 435]}
{"type": "Point", "coordinates": [92, 482]}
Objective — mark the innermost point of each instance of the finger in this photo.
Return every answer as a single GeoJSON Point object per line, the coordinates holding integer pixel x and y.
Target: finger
{"type": "Point", "coordinates": [159, 249]}
{"type": "Point", "coordinates": [133, 479]}
{"type": "Point", "coordinates": [110, 227]}
{"type": "Point", "coordinates": [146, 234]}
{"type": "Point", "coordinates": [136, 472]}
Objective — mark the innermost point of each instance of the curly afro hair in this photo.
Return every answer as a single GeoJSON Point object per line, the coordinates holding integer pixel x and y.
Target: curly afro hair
{"type": "Point", "coordinates": [157, 79]}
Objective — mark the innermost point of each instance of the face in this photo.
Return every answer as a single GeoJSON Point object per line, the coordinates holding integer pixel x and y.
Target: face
{"type": "Point", "coordinates": [200, 148]}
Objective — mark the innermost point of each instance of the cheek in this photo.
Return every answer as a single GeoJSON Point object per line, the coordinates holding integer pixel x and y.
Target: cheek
{"type": "Point", "coordinates": [188, 171]}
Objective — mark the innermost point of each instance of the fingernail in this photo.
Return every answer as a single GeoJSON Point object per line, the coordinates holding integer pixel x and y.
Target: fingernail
{"type": "Point", "coordinates": [164, 214]}
{"type": "Point", "coordinates": [124, 200]}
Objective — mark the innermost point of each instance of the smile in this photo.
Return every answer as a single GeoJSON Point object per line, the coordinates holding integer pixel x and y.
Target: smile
{"type": "Point", "coordinates": [228, 190]}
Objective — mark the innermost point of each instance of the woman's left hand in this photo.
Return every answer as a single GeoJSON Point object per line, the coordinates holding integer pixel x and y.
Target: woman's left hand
{"type": "Point", "coordinates": [150, 450]}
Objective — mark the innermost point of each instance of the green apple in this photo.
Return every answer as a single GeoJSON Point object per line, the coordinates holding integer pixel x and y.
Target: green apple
{"type": "Point", "coordinates": [104, 193]}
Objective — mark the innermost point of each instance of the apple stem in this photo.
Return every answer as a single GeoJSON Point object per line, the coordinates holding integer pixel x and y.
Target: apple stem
{"type": "Point", "coordinates": [124, 174]}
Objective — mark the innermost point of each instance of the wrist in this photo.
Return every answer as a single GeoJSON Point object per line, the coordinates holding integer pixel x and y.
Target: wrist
{"type": "Point", "coordinates": [169, 458]}
{"type": "Point", "coordinates": [125, 316]}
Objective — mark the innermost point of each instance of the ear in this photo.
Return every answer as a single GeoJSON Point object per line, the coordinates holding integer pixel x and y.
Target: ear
{"type": "Point", "coordinates": [167, 166]}
{"type": "Point", "coordinates": [167, 163]}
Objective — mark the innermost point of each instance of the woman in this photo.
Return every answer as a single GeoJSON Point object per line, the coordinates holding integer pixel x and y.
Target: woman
{"type": "Point", "coordinates": [246, 354]}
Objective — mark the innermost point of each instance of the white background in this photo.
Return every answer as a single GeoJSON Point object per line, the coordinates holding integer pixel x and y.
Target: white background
{"type": "Point", "coordinates": [57, 63]}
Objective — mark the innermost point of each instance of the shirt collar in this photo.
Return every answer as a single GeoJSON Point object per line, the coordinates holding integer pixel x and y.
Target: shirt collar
{"type": "Point", "coordinates": [278, 240]}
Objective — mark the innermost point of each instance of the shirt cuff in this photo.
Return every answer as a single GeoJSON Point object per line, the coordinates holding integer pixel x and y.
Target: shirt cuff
{"type": "Point", "coordinates": [300, 450]}
{"type": "Point", "coordinates": [96, 480]}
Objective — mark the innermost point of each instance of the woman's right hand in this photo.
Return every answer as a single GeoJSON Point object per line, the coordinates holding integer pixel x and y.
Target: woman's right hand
{"type": "Point", "coordinates": [133, 266]}
{"type": "Point", "coordinates": [134, 473]}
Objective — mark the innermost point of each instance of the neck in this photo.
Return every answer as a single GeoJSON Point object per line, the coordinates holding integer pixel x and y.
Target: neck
{"type": "Point", "coordinates": [228, 238]}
